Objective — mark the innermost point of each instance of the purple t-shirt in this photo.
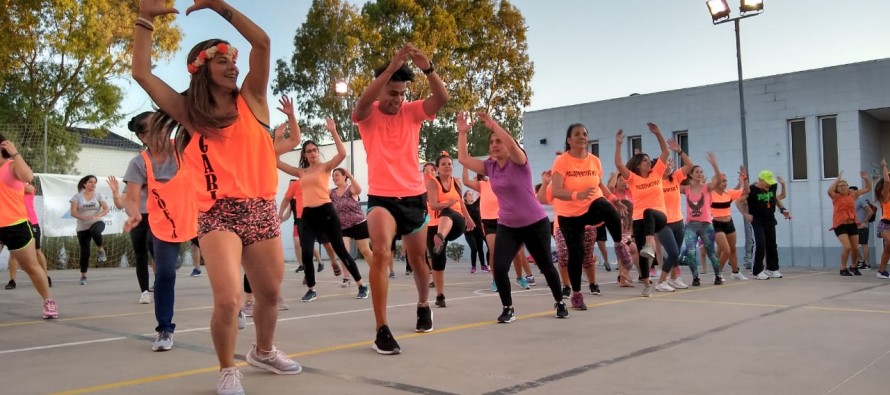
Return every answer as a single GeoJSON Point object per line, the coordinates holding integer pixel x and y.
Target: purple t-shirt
{"type": "Point", "coordinates": [512, 184]}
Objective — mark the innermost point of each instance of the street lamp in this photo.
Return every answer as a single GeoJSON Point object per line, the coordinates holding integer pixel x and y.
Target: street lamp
{"type": "Point", "coordinates": [342, 90]}
{"type": "Point", "coordinates": [720, 13]}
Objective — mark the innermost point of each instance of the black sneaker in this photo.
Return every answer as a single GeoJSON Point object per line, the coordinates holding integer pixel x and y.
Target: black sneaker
{"type": "Point", "coordinates": [10, 284]}
{"type": "Point", "coordinates": [432, 284]}
{"type": "Point", "coordinates": [860, 264]}
{"type": "Point", "coordinates": [320, 267]}
{"type": "Point", "coordinates": [594, 289]}
{"type": "Point", "coordinates": [846, 273]}
{"type": "Point", "coordinates": [718, 280]}
{"type": "Point", "coordinates": [440, 300]}
{"type": "Point", "coordinates": [566, 291]}
{"type": "Point", "coordinates": [299, 269]}
{"type": "Point", "coordinates": [607, 265]}
{"type": "Point", "coordinates": [507, 316]}
{"type": "Point", "coordinates": [696, 282]}
{"type": "Point", "coordinates": [362, 292]}
{"type": "Point", "coordinates": [855, 271]}
{"type": "Point", "coordinates": [385, 344]}
{"type": "Point", "coordinates": [561, 310]}
{"type": "Point", "coordinates": [424, 319]}
{"type": "Point", "coordinates": [309, 296]}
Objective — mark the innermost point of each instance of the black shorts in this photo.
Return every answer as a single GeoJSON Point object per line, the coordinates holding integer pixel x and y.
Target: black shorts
{"type": "Point", "coordinates": [724, 227]}
{"type": "Point", "coordinates": [863, 236]}
{"type": "Point", "coordinates": [15, 237]}
{"type": "Point", "coordinates": [489, 226]}
{"type": "Point", "coordinates": [410, 212]}
{"type": "Point", "coordinates": [35, 230]}
{"type": "Point", "coordinates": [601, 232]}
{"type": "Point", "coordinates": [195, 242]}
{"type": "Point", "coordinates": [357, 232]}
{"type": "Point", "coordinates": [846, 229]}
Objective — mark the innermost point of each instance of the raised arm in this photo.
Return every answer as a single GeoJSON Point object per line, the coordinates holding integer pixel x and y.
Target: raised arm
{"type": "Point", "coordinates": [782, 188]}
{"type": "Point", "coordinates": [515, 153]}
{"type": "Point", "coordinates": [687, 162]}
{"type": "Point", "coordinates": [366, 101]}
{"type": "Point", "coordinates": [294, 171]}
{"type": "Point", "coordinates": [167, 99]}
{"type": "Point", "coordinates": [332, 164]}
{"type": "Point", "coordinates": [884, 193]}
{"type": "Point", "coordinates": [866, 184]}
{"type": "Point", "coordinates": [439, 96]}
{"type": "Point", "coordinates": [665, 151]}
{"type": "Point", "coordinates": [19, 167]}
{"type": "Point", "coordinates": [465, 177]}
{"type": "Point", "coordinates": [464, 124]}
{"type": "Point", "coordinates": [115, 191]}
{"type": "Point", "coordinates": [283, 145]}
{"type": "Point", "coordinates": [354, 187]}
{"type": "Point", "coordinates": [831, 188]}
{"type": "Point", "coordinates": [715, 181]}
{"type": "Point", "coordinates": [743, 179]}
{"type": "Point", "coordinates": [619, 163]}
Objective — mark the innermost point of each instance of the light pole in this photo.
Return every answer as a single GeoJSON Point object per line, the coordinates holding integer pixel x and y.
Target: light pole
{"type": "Point", "coordinates": [342, 90]}
{"type": "Point", "coordinates": [720, 13]}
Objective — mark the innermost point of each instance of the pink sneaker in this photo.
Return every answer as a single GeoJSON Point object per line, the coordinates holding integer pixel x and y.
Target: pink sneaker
{"type": "Point", "coordinates": [49, 309]}
{"type": "Point", "coordinates": [472, 270]}
{"type": "Point", "coordinates": [485, 269]}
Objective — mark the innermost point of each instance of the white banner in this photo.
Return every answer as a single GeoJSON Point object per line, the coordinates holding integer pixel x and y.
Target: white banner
{"type": "Point", "coordinates": [56, 219]}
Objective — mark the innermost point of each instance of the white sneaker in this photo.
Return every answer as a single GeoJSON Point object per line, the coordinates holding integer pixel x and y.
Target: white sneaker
{"type": "Point", "coordinates": [664, 287]}
{"type": "Point", "coordinates": [773, 273]}
{"type": "Point", "coordinates": [739, 276]}
{"type": "Point", "coordinates": [144, 298]}
{"type": "Point", "coordinates": [229, 382]}
{"type": "Point", "coordinates": [677, 284]}
{"type": "Point", "coordinates": [647, 252]}
{"type": "Point", "coordinates": [762, 276]}
{"type": "Point", "coordinates": [345, 283]}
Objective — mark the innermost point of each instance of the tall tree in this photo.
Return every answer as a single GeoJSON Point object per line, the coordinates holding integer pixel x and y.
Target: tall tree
{"type": "Point", "coordinates": [57, 64]}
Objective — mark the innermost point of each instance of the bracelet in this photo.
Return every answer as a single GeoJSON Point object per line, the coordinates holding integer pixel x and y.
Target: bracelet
{"type": "Point", "coordinates": [145, 23]}
{"type": "Point", "coordinates": [14, 155]}
{"type": "Point", "coordinates": [144, 26]}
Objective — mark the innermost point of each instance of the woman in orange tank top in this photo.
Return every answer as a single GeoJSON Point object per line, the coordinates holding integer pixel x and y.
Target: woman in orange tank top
{"type": "Point", "coordinates": [232, 159]}
{"type": "Point", "coordinates": [843, 222]}
{"type": "Point", "coordinates": [882, 194]}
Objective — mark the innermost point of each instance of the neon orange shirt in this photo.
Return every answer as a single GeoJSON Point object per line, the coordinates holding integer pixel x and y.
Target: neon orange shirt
{"type": "Point", "coordinates": [295, 192]}
{"type": "Point", "coordinates": [445, 196]}
{"type": "Point", "coordinates": [172, 209]}
{"type": "Point", "coordinates": [672, 196]}
{"type": "Point", "coordinates": [315, 187]}
{"type": "Point", "coordinates": [721, 203]}
{"type": "Point", "coordinates": [885, 210]}
{"type": "Point", "coordinates": [488, 201]}
{"type": "Point", "coordinates": [648, 192]}
{"type": "Point", "coordinates": [391, 143]}
{"type": "Point", "coordinates": [578, 174]}
{"type": "Point", "coordinates": [12, 197]}
{"type": "Point", "coordinates": [238, 163]}
{"type": "Point", "coordinates": [844, 210]}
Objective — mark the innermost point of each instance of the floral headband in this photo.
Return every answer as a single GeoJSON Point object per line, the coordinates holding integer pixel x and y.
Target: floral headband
{"type": "Point", "coordinates": [207, 54]}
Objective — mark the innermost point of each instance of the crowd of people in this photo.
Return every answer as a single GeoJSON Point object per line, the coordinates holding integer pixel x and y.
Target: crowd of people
{"type": "Point", "coordinates": [215, 135]}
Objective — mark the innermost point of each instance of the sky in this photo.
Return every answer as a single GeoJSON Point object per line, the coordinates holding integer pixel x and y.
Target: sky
{"type": "Point", "coordinates": [592, 50]}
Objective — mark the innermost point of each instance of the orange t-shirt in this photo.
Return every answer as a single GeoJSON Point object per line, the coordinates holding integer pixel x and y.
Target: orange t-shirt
{"type": "Point", "coordinates": [445, 196]}
{"type": "Point", "coordinates": [672, 196]}
{"type": "Point", "coordinates": [295, 192]}
{"type": "Point", "coordinates": [391, 143]}
{"type": "Point", "coordinates": [316, 191]}
{"type": "Point", "coordinates": [488, 201]}
{"type": "Point", "coordinates": [844, 210]}
{"type": "Point", "coordinates": [648, 191]}
{"type": "Point", "coordinates": [172, 209]}
{"type": "Point", "coordinates": [721, 203]}
{"type": "Point", "coordinates": [578, 174]}
{"type": "Point", "coordinates": [240, 162]}
{"type": "Point", "coordinates": [12, 197]}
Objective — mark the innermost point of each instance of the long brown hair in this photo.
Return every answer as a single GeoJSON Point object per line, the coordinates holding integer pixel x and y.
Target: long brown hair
{"type": "Point", "coordinates": [199, 98]}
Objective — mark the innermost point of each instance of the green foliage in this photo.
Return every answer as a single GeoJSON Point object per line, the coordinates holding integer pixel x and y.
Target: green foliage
{"type": "Point", "coordinates": [454, 251]}
{"type": "Point", "coordinates": [478, 46]}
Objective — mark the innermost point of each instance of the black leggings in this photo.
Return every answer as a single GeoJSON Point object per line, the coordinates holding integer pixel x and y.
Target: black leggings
{"type": "Point", "coordinates": [654, 223]}
{"type": "Point", "coordinates": [476, 242]}
{"type": "Point", "coordinates": [458, 224]}
{"type": "Point", "coordinates": [536, 238]}
{"type": "Point", "coordinates": [572, 228]}
{"type": "Point", "coordinates": [323, 220]}
{"type": "Point", "coordinates": [141, 238]}
{"type": "Point", "coordinates": [83, 238]}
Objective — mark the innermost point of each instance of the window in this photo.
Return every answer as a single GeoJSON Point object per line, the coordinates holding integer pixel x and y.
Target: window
{"type": "Point", "coordinates": [634, 145]}
{"type": "Point", "coordinates": [682, 138]}
{"type": "Point", "coordinates": [828, 127]}
{"type": "Point", "coordinates": [798, 149]}
{"type": "Point", "coordinates": [595, 147]}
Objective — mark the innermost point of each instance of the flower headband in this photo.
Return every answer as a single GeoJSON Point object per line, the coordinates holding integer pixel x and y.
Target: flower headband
{"type": "Point", "coordinates": [209, 53]}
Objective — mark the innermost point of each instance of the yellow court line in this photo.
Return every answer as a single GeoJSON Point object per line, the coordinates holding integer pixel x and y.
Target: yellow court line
{"type": "Point", "coordinates": [847, 310]}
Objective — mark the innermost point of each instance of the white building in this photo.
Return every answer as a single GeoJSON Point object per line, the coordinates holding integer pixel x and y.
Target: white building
{"type": "Point", "coordinates": [805, 126]}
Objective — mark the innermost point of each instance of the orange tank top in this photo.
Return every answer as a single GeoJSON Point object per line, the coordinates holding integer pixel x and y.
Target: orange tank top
{"type": "Point", "coordinates": [171, 205]}
{"type": "Point", "coordinates": [12, 197]}
{"type": "Point", "coordinates": [844, 210]}
{"type": "Point", "coordinates": [238, 163]}
{"type": "Point", "coordinates": [488, 205]}
{"type": "Point", "coordinates": [445, 196]}
{"type": "Point", "coordinates": [885, 210]}
{"type": "Point", "coordinates": [315, 187]}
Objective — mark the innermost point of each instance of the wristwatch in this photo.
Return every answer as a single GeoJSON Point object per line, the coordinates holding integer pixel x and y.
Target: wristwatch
{"type": "Point", "coordinates": [429, 70]}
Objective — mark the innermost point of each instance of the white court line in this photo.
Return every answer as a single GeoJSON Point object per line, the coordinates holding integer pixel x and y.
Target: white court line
{"type": "Point", "coordinates": [857, 373]}
{"type": "Point", "coordinates": [62, 345]}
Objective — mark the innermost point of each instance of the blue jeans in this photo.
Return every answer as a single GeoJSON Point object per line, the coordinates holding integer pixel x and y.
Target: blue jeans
{"type": "Point", "coordinates": [165, 280]}
{"type": "Point", "coordinates": [699, 230]}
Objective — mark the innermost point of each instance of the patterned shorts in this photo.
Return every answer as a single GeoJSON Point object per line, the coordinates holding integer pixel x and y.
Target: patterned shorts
{"type": "Point", "coordinates": [883, 225]}
{"type": "Point", "coordinates": [562, 252]}
{"type": "Point", "coordinates": [252, 219]}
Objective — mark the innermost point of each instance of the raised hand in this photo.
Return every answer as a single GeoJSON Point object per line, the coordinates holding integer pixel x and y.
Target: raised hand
{"type": "Point", "coordinates": [464, 123]}
{"type": "Point", "coordinates": [840, 175]}
{"type": "Point", "coordinates": [113, 184]}
{"type": "Point", "coordinates": [486, 119]}
{"type": "Point", "coordinates": [619, 137]}
{"type": "Point", "coordinates": [674, 146]}
{"type": "Point", "coordinates": [287, 106]}
{"type": "Point", "coordinates": [546, 176]}
{"type": "Point", "coordinates": [155, 8]}
{"type": "Point", "coordinates": [419, 58]}
{"type": "Point", "coordinates": [780, 179]}
{"type": "Point", "coordinates": [400, 57]}
{"type": "Point", "coordinates": [9, 147]}
{"type": "Point", "coordinates": [202, 4]}
{"type": "Point", "coordinates": [279, 132]}
{"type": "Point", "coordinates": [330, 126]}
{"type": "Point", "coordinates": [712, 158]}
{"type": "Point", "coordinates": [653, 128]}
{"type": "Point", "coordinates": [863, 174]}
{"type": "Point", "coordinates": [743, 174]}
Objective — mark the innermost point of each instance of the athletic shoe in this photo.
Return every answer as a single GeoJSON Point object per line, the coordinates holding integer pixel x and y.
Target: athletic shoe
{"type": "Point", "coordinates": [663, 286]}
{"type": "Point", "coordinates": [561, 310]}
{"type": "Point", "coordinates": [677, 283]}
{"type": "Point", "coordinates": [773, 273]}
{"type": "Point", "coordinates": [846, 273]}
{"type": "Point", "coordinates": [855, 270]}
{"type": "Point", "coordinates": [299, 269]}
{"type": "Point", "coordinates": [163, 341]}
{"type": "Point", "coordinates": [607, 265]}
{"type": "Point", "coordinates": [594, 289]}
{"type": "Point", "coordinates": [696, 282]}
{"type": "Point", "coordinates": [101, 258]}
{"type": "Point", "coordinates": [485, 269]}
{"type": "Point", "coordinates": [578, 301]}
{"type": "Point", "coordinates": [320, 267]}
{"type": "Point", "coordinates": [718, 280]}
{"type": "Point", "coordinates": [274, 361]}
{"type": "Point", "coordinates": [392, 275]}
{"type": "Point", "coordinates": [83, 281]}
{"type": "Point", "coordinates": [440, 301]}
{"type": "Point", "coordinates": [384, 343]}
{"type": "Point", "coordinates": [883, 274]}
{"type": "Point", "coordinates": [762, 276]}
{"type": "Point", "coordinates": [522, 282]}
{"type": "Point", "coordinates": [282, 305]}
{"type": "Point", "coordinates": [494, 287]}
{"type": "Point", "coordinates": [863, 266]}
{"type": "Point", "coordinates": [566, 291]}
{"type": "Point", "coordinates": [10, 284]}
{"type": "Point", "coordinates": [747, 266]}
{"type": "Point", "coordinates": [49, 309]}
{"type": "Point", "coordinates": [424, 319]}
{"type": "Point", "coordinates": [647, 251]}
{"type": "Point", "coordinates": [530, 279]}
{"type": "Point", "coordinates": [362, 292]}
{"type": "Point", "coordinates": [229, 382]}
{"type": "Point", "coordinates": [473, 270]}
{"type": "Point", "coordinates": [144, 298]}
{"type": "Point", "coordinates": [196, 272]}
{"type": "Point", "coordinates": [242, 320]}
{"type": "Point", "coordinates": [647, 290]}
{"type": "Point", "coordinates": [247, 308]}
{"type": "Point", "coordinates": [344, 283]}
{"type": "Point", "coordinates": [738, 276]}
{"type": "Point", "coordinates": [408, 272]}
{"type": "Point", "coordinates": [309, 296]}
{"type": "Point", "coordinates": [507, 316]}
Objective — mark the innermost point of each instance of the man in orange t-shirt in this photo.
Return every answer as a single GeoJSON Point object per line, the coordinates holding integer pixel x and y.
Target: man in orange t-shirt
{"type": "Point", "coordinates": [390, 130]}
